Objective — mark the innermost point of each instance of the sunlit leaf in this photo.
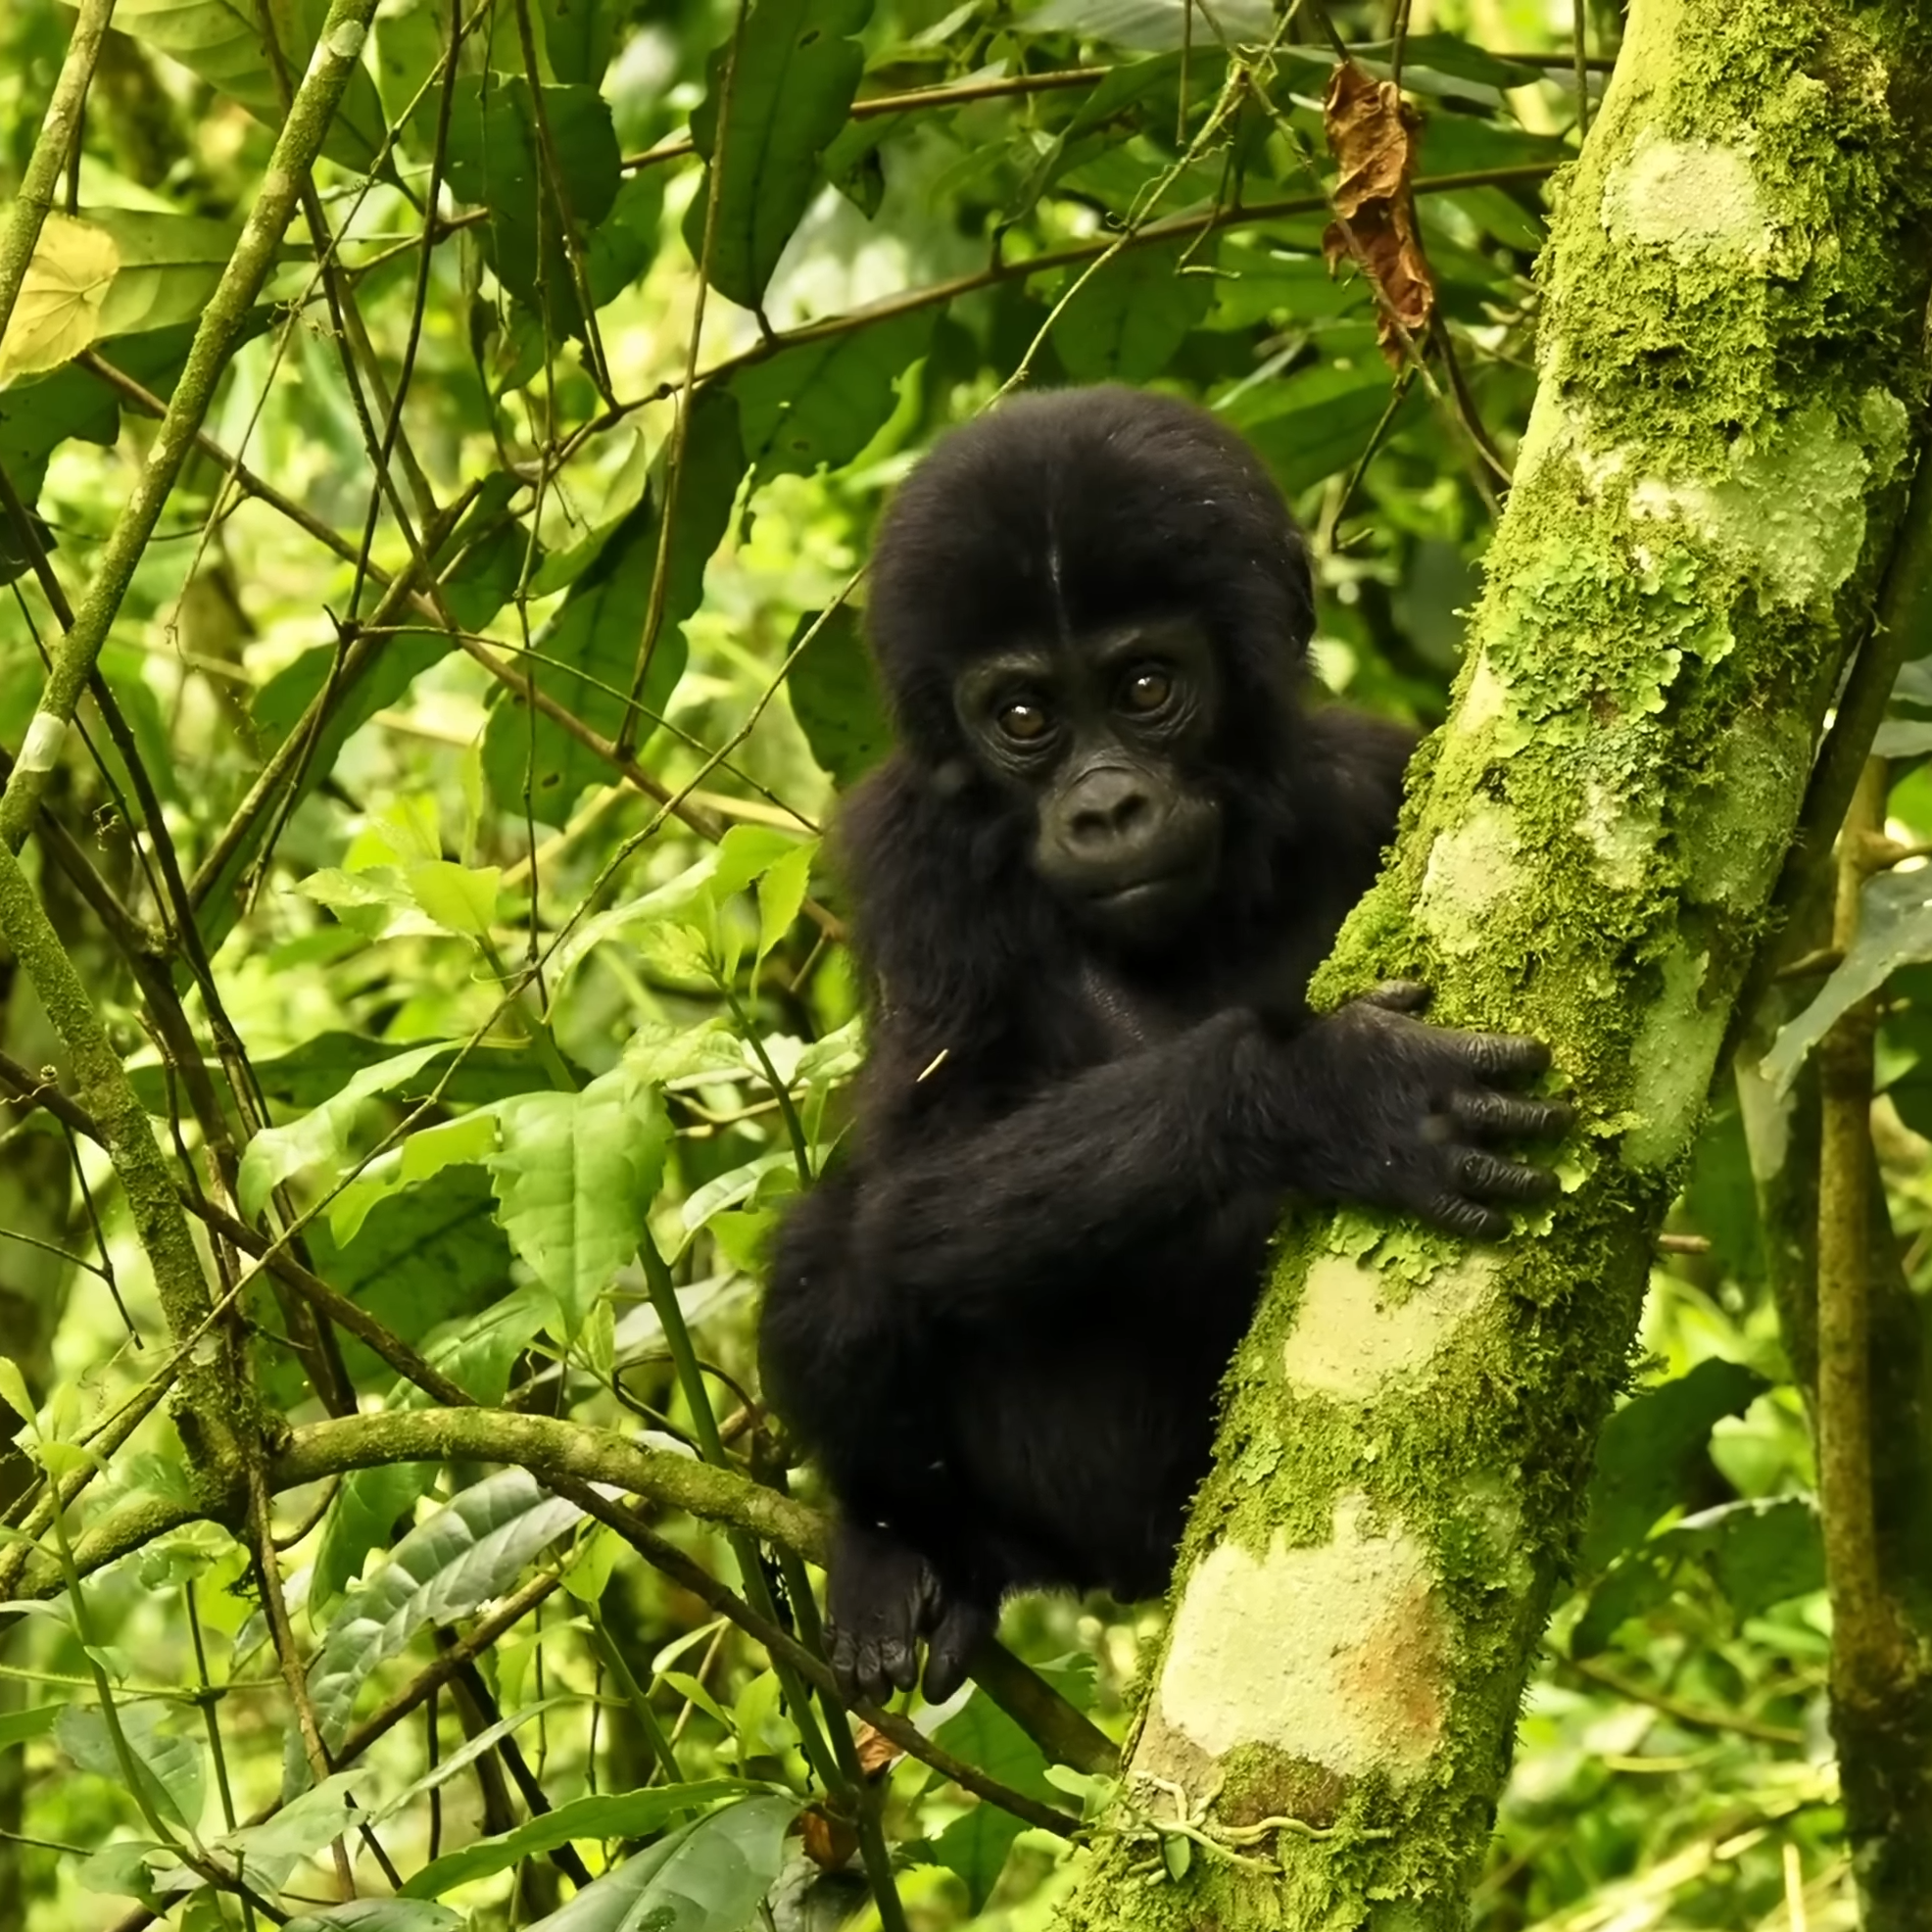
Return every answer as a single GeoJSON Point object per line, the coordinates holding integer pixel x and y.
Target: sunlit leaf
{"type": "Point", "coordinates": [380, 1916]}
{"type": "Point", "coordinates": [58, 313]}
{"type": "Point", "coordinates": [575, 1175]}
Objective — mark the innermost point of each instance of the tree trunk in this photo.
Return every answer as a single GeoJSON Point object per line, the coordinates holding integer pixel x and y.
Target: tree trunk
{"type": "Point", "coordinates": [1734, 365]}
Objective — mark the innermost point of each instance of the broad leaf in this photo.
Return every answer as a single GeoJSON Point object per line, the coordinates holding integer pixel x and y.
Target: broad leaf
{"type": "Point", "coordinates": [220, 41]}
{"type": "Point", "coordinates": [603, 1817]}
{"type": "Point", "coordinates": [819, 405]}
{"type": "Point", "coordinates": [497, 163]}
{"type": "Point", "coordinates": [712, 1876]}
{"type": "Point", "coordinates": [836, 699]}
{"type": "Point", "coordinates": [1648, 1449]}
{"type": "Point", "coordinates": [575, 1175]}
{"type": "Point", "coordinates": [172, 1768]}
{"type": "Point", "coordinates": [1895, 929]}
{"type": "Point", "coordinates": [380, 1916]}
{"type": "Point", "coordinates": [474, 1549]}
{"type": "Point", "coordinates": [976, 1845]}
{"type": "Point", "coordinates": [798, 68]}
{"type": "Point", "coordinates": [1131, 316]}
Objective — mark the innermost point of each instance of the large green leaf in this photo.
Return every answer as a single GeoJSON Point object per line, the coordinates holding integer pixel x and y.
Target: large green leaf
{"type": "Point", "coordinates": [1895, 929]}
{"type": "Point", "coordinates": [820, 404]}
{"type": "Point", "coordinates": [798, 68]}
{"type": "Point", "coordinates": [1318, 424]}
{"type": "Point", "coordinates": [497, 163]}
{"type": "Point", "coordinates": [1755, 1554]}
{"type": "Point", "coordinates": [220, 41]}
{"type": "Point", "coordinates": [1150, 26]}
{"type": "Point", "coordinates": [474, 1549]}
{"type": "Point", "coordinates": [1648, 1449]}
{"type": "Point", "coordinates": [586, 655]}
{"type": "Point", "coordinates": [712, 1876]}
{"type": "Point", "coordinates": [575, 1175]}
{"type": "Point", "coordinates": [976, 1845]}
{"type": "Point", "coordinates": [173, 1770]}
{"type": "Point", "coordinates": [1130, 316]}
{"type": "Point", "coordinates": [600, 1816]}
{"type": "Point", "coordinates": [835, 698]}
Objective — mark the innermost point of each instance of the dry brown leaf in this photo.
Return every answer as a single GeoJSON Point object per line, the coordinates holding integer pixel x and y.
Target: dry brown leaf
{"type": "Point", "coordinates": [829, 1842]}
{"type": "Point", "coordinates": [1372, 134]}
{"type": "Point", "coordinates": [877, 1752]}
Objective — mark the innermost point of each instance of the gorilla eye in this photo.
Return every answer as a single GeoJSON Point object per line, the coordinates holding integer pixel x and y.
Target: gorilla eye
{"type": "Point", "coordinates": [1021, 721]}
{"type": "Point", "coordinates": [1149, 690]}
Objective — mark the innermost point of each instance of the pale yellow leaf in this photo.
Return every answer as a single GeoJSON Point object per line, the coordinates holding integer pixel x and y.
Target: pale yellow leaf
{"type": "Point", "coordinates": [59, 311]}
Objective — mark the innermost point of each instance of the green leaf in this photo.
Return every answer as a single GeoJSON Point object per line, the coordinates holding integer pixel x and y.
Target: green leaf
{"type": "Point", "coordinates": [220, 41]}
{"type": "Point", "coordinates": [586, 655]}
{"type": "Point", "coordinates": [1648, 1449]}
{"type": "Point", "coordinates": [1130, 316]}
{"type": "Point", "coordinates": [475, 1547]}
{"type": "Point", "coordinates": [976, 1845]}
{"type": "Point", "coordinates": [575, 1175]}
{"type": "Point", "coordinates": [781, 892]}
{"type": "Point", "coordinates": [577, 36]}
{"type": "Point", "coordinates": [1448, 52]}
{"type": "Point", "coordinates": [497, 162]}
{"type": "Point", "coordinates": [1755, 1553]}
{"type": "Point", "coordinates": [1895, 929]}
{"type": "Point", "coordinates": [836, 699]}
{"type": "Point", "coordinates": [380, 1916]}
{"type": "Point", "coordinates": [606, 1815]}
{"type": "Point", "coordinates": [461, 899]}
{"type": "Point", "coordinates": [1318, 424]}
{"type": "Point", "coordinates": [321, 1140]}
{"type": "Point", "coordinates": [173, 1770]}
{"type": "Point", "coordinates": [799, 65]}
{"type": "Point", "coordinates": [23, 1726]}
{"type": "Point", "coordinates": [428, 1256]}
{"type": "Point", "coordinates": [1150, 26]}
{"type": "Point", "coordinates": [468, 1139]}
{"type": "Point", "coordinates": [819, 405]}
{"type": "Point", "coordinates": [712, 1876]}
{"type": "Point", "coordinates": [319, 1818]}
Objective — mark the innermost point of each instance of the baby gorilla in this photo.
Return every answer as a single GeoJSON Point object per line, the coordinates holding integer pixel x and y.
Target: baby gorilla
{"type": "Point", "coordinates": [1088, 891]}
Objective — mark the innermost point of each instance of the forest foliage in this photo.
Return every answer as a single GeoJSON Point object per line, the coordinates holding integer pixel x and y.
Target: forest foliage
{"type": "Point", "coordinates": [440, 857]}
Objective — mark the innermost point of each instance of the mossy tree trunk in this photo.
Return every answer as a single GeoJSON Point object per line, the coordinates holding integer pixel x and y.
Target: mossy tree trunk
{"type": "Point", "coordinates": [1733, 372]}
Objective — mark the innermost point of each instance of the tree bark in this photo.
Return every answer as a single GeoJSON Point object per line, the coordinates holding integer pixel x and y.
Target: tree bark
{"type": "Point", "coordinates": [1734, 370]}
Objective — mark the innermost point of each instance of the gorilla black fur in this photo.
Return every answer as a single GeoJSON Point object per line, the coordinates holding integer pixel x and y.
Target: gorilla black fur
{"type": "Point", "coordinates": [999, 1322]}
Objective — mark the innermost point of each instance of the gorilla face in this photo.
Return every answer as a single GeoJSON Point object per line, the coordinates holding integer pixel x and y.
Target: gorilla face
{"type": "Point", "coordinates": [1104, 734]}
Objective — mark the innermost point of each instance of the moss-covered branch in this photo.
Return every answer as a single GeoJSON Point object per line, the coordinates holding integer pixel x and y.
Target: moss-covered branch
{"type": "Point", "coordinates": [1733, 372]}
{"type": "Point", "coordinates": [338, 52]}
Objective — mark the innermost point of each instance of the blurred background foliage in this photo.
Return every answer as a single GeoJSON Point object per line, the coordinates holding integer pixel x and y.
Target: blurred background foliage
{"type": "Point", "coordinates": [518, 1020]}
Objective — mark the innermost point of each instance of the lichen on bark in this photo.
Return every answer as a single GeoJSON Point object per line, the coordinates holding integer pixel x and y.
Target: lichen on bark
{"type": "Point", "coordinates": [1732, 372]}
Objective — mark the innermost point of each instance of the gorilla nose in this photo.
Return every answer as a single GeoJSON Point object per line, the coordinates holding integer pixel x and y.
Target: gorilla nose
{"type": "Point", "coordinates": [1111, 805]}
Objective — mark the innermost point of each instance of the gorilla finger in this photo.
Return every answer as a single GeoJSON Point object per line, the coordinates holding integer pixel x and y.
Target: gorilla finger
{"type": "Point", "coordinates": [1504, 1056]}
{"type": "Point", "coordinates": [1469, 1219]}
{"type": "Point", "coordinates": [873, 1684]}
{"type": "Point", "coordinates": [952, 1647]}
{"type": "Point", "coordinates": [1489, 1178]}
{"type": "Point", "coordinates": [899, 1660]}
{"type": "Point", "coordinates": [1397, 996]}
{"type": "Point", "coordinates": [1481, 1111]}
{"type": "Point", "coordinates": [843, 1656]}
